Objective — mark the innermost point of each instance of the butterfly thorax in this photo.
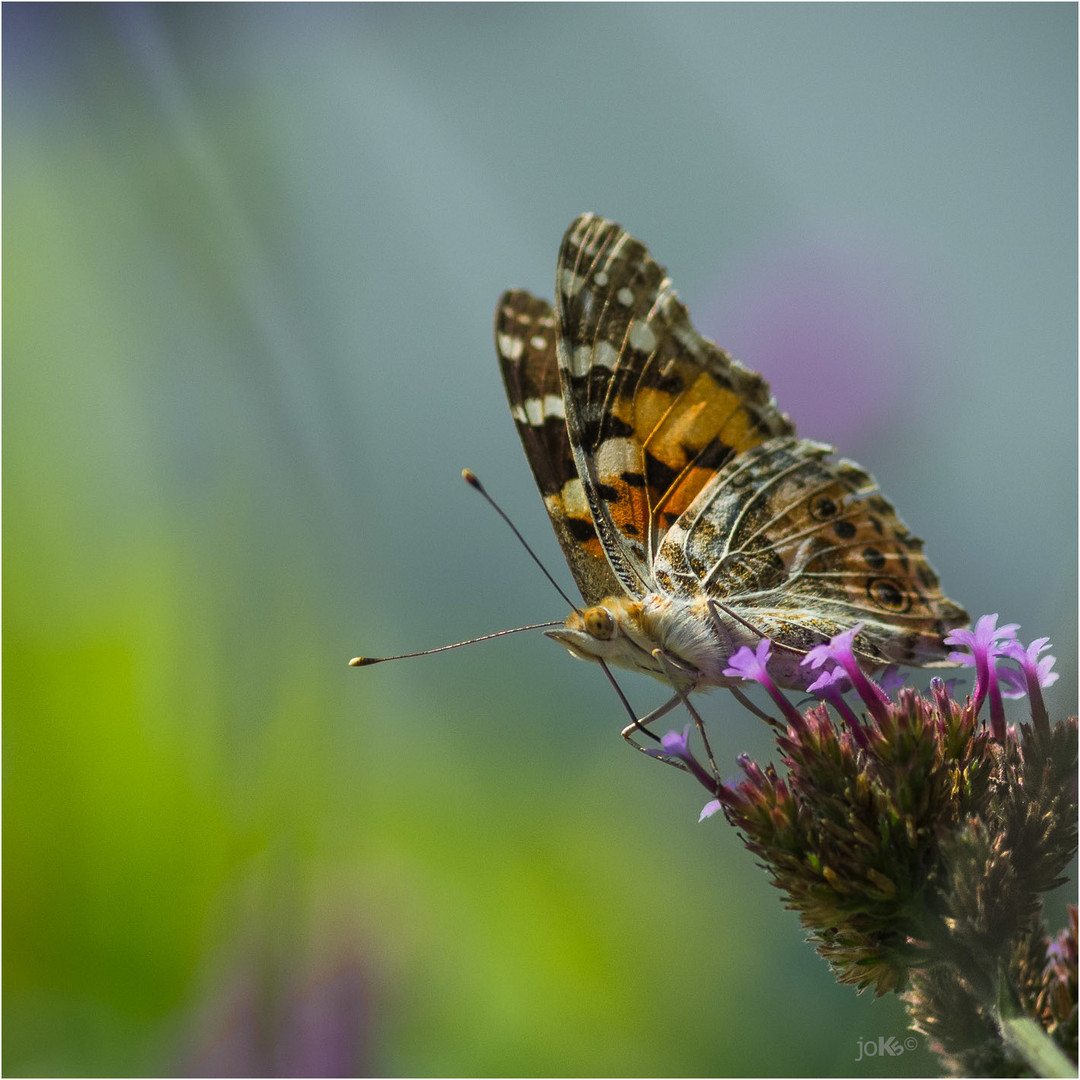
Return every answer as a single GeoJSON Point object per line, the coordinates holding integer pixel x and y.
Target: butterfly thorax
{"type": "Point", "coordinates": [680, 642]}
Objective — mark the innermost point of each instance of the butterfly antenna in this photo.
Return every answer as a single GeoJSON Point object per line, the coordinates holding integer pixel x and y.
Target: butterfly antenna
{"type": "Point", "coordinates": [473, 480]}
{"type": "Point", "coordinates": [366, 661]}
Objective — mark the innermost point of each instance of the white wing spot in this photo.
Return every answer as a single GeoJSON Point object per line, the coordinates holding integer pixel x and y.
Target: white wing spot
{"type": "Point", "coordinates": [642, 337]}
{"type": "Point", "coordinates": [534, 411]}
{"type": "Point", "coordinates": [625, 296]}
{"type": "Point", "coordinates": [553, 406]}
{"type": "Point", "coordinates": [605, 355]}
{"type": "Point", "coordinates": [573, 498]}
{"type": "Point", "coordinates": [569, 282]}
{"type": "Point", "coordinates": [615, 456]}
{"type": "Point", "coordinates": [600, 278]}
{"type": "Point", "coordinates": [584, 358]}
{"type": "Point", "coordinates": [538, 342]}
{"type": "Point", "coordinates": [580, 359]}
{"type": "Point", "coordinates": [511, 347]}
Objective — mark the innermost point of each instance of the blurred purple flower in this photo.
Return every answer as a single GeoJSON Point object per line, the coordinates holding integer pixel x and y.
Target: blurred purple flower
{"type": "Point", "coordinates": [676, 745]}
{"type": "Point", "coordinates": [892, 678]}
{"type": "Point", "coordinates": [834, 308]}
{"type": "Point", "coordinates": [284, 1016]}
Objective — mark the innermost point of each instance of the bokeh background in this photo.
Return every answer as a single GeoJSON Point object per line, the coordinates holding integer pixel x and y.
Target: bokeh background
{"type": "Point", "coordinates": [251, 255]}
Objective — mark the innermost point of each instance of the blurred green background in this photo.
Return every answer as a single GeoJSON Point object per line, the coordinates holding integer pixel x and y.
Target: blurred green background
{"type": "Point", "coordinates": [251, 255]}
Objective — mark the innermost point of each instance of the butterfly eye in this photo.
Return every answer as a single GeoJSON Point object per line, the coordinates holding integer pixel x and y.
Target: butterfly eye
{"type": "Point", "coordinates": [599, 623]}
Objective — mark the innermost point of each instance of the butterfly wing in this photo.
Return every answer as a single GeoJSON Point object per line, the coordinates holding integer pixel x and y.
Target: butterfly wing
{"type": "Point", "coordinates": [525, 344]}
{"type": "Point", "coordinates": [801, 547]}
{"type": "Point", "coordinates": [652, 408]}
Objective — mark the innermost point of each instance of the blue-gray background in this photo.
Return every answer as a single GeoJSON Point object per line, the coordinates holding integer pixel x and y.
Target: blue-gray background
{"type": "Point", "coordinates": [250, 260]}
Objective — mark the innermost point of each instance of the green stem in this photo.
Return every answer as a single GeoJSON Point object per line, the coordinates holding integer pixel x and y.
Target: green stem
{"type": "Point", "coordinates": [1026, 1037]}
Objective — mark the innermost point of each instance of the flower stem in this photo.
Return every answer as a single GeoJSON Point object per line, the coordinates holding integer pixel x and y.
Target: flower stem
{"type": "Point", "coordinates": [1024, 1035]}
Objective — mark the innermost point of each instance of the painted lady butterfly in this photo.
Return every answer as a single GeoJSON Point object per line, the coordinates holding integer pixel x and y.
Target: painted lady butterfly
{"type": "Point", "coordinates": [693, 519]}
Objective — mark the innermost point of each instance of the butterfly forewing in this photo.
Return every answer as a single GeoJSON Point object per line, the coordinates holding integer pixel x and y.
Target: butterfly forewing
{"type": "Point", "coordinates": [525, 344]}
{"type": "Point", "coordinates": [653, 408]}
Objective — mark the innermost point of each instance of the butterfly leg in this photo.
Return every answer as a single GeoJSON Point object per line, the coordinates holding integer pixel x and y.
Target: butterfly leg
{"type": "Point", "coordinates": [641, 724]}
{"type": "Point", "coordinates": [715, 607]}
{"type": "Point", "coordinates": [681, 695]}
{"type": "Point", "coordinates": [746, 703]}
{"type": "Point", "coordinates": [679, 698]}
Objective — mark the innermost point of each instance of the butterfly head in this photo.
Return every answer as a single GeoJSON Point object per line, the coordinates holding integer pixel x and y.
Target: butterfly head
{"type": "Point", "coordinates": [623, 632]}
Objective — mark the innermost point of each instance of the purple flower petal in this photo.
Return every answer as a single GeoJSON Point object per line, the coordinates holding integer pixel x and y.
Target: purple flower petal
{"type": "Point", "coordinates": [837, 648]}
{"type": "Point", "coordinates": [987, 642]}
{"type": "Point", "coordinates": [752, 664]}
{"type": "Point", "coordinates": [677, 744]}
{"type": "Point", "coordinates": [831, 686]}
{"type": "Point", "coordinates": [1014, 684]}
{"type": "Point", "coordinates": [841, 649]}
{"type": "Point", "coordinates": [749, 663]}
{"type": "Point", "coordinates": [985, 634]}
{"type": "Point", "coordinates": [1029, 660]}
{"type": "Point", "coordinates": [1046, 676]}
{"type": "Point", "coordinates": [830, 680]}
{"type": "Point", "coordinates": [1036, 675]}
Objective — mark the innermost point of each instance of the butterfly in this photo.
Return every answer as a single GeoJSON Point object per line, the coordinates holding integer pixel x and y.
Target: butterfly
{"type": "Point", "coordinates": [692, 517]}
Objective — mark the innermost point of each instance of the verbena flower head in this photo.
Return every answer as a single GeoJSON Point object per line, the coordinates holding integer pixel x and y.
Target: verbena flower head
{"type": "Point", "coordinates": [915, 840]}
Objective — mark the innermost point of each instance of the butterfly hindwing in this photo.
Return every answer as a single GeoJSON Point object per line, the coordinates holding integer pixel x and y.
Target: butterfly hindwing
{"type": "Point", "coordinates": [802, 547]}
